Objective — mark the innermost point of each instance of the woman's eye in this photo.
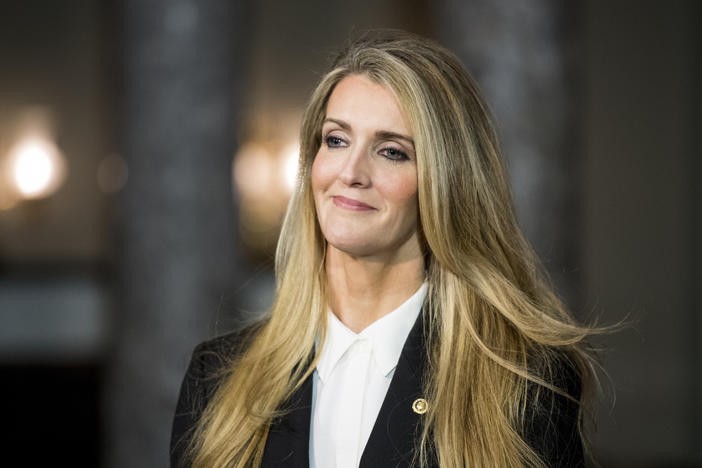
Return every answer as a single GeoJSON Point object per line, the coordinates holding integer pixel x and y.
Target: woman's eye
{"type": "Point", "coordinates": [394, 154]}
{"type": "Point", "coordinates": [333, 141]}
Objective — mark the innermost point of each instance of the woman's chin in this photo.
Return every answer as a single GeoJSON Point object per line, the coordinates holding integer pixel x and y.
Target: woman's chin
{"type": "Point", "coordinates": [354, 247]}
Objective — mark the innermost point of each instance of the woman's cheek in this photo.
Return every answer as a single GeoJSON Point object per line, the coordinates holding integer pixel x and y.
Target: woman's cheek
{"type": "Point", "coordinates": [401, 188]}
{"type": "Point", "coordinates": [322, 172]}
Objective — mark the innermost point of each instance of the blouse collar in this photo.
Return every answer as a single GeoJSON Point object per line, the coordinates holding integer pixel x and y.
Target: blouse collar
{"type": "Point", "coordinates": [387, 336]}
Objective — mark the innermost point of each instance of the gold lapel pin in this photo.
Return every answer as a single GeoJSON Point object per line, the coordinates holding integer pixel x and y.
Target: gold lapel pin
{"type": "Point", "coordinates": [420, 406]}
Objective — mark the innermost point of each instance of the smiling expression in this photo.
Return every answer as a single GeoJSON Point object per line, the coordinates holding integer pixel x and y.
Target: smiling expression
{"type": "Point", "coordinates": [364, 176]}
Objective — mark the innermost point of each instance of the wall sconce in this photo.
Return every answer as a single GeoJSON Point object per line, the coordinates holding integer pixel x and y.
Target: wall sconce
{"type": "Point", "coordinates": [264, 175]}
{"type": "Point", "coordinates": [34, 166]}
{"type": "Point", "coordinates": [38, 168]}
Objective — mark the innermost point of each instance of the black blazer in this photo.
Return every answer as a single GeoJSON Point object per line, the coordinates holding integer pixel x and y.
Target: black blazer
{"type": "Point", "coordinates": [552, 431]}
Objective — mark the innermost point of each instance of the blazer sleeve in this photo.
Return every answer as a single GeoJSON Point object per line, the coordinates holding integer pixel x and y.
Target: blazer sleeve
{"type": "Point", "coordinates": [208, 365]}
{"type": "Point", "coordinates": [552, 422]}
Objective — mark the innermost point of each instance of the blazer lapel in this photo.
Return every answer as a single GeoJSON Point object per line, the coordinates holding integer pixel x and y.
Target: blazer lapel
{"type": "Point", "coordinates": [397, 429]}
{"type": "Point", "coordinates": [288, 437]}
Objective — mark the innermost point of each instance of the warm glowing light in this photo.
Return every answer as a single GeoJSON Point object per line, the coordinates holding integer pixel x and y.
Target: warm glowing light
{"type": "Point", "coordinates": [253, 168]}
{"type": "Point", "coordinates": [37, 167]}
{"type": "Point", "coordinates": [290, 162]}
{"type": "Point", "coordinates": [265, 174]}
{"type": "Point", "coordinates": [33, 169]}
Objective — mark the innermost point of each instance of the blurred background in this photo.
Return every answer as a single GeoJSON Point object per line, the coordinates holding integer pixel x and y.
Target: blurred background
{"type": "Point", "coordinates": [147, 150]}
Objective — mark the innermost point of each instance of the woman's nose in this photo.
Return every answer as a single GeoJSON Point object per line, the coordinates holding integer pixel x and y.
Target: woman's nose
{"type": "Point", "coordinates": [355, 171]}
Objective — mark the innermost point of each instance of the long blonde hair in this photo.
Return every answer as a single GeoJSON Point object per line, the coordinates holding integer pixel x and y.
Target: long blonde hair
{"type": "Point", "coordinates": [495, 330]}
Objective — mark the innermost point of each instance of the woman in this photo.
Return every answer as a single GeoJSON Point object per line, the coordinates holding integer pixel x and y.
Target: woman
{"type": "Point", "coordinates": [412, 324]}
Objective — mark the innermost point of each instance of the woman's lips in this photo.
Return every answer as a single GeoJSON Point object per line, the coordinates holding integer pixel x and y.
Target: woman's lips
{"type": "Point", "coordinates": [351, 204]}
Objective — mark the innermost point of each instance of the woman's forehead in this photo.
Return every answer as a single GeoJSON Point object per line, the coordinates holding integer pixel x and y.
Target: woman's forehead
{"type": "Point", "coordinates": [363, 103]}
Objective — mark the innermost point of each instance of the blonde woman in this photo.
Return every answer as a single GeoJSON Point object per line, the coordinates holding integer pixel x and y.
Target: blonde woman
{"type": "Point", "coordinates": [412, 325]}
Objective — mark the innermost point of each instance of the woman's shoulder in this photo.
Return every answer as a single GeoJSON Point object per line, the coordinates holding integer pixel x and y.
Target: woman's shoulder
{"type": "Point", "coordinates": [552, 426]}
{"type": "Point", "coordinates": [211, 357]}
{"type": "Point", "coordinates": [210, 362]}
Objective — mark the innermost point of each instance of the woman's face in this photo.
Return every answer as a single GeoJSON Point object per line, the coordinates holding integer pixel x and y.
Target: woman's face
{"type": "Point", "coordinates": [364, 176]}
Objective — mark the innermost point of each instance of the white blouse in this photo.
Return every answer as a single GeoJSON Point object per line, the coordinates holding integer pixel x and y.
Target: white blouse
{"type": "Point", "coordinates": [350, 382]}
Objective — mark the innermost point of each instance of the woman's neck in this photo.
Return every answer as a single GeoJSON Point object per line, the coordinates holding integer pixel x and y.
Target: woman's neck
{"type": "Point", "coordinates": [362, 290]}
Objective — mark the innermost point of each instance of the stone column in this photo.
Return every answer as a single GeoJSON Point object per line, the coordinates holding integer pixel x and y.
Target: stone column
{"type": "Point", "coordinates": [176, 256]}
{"type": "Point", "coordinates": [521, 54]}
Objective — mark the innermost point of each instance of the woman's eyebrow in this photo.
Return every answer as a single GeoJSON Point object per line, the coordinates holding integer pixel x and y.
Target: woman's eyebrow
{"type": "Point", "coordinates": [386, 135]}
{"type": "Point", "coordinates": [340, 123]}
{"type": "Point", "coordinates": [382, 134]}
